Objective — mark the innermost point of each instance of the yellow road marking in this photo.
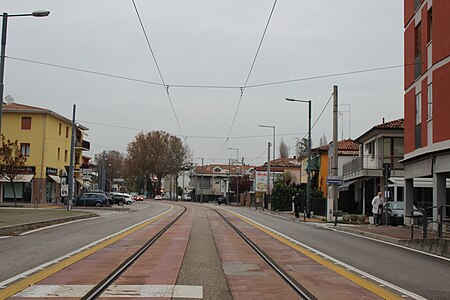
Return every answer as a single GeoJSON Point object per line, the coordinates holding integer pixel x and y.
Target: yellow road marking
{"type": "Point", "coordinates": [385, 294]}
{"type": "Point", "coordinates": [35, 278]}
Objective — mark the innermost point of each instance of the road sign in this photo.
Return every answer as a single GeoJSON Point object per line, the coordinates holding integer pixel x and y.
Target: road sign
{"type": "Point", "coordinates": [334, 180]}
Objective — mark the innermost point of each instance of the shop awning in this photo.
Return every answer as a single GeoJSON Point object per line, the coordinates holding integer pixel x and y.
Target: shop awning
{"type": "Point", "coordinates": [346, 185]}
{"type": "Point", "coordinates": [55, 178]}
{"type": "Point", "coordinates": [19, 178]}
{"type": "Point", "coordinates": [79, 180]}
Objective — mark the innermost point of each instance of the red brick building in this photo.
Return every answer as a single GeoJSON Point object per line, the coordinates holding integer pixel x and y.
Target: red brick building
{"type": "Point", "coordinates": [427, 99]}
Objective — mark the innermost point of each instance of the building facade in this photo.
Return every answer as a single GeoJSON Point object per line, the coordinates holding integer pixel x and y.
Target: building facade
{"type": "Point", "coordinates": [44, 138]}
{"type": "Point", "coordinates": [374, 169]}
{"type": "Point", "coordinates": [427, 99]}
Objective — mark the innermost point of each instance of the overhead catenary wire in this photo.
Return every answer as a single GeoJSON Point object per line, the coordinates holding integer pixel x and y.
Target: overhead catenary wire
{"type": "Point", "coordinates": [205, 86]}
{"type": "Point", "coordinates": [157, 67]}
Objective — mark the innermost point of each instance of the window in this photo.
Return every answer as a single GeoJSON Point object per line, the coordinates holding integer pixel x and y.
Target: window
{"type": "Point", "coordinates": [25, 149]}
{"type": "Point", "coordinates": [430, 26]}
{"type": "Point", "coordinates": [418, 51]}
{"type": "Point", "coordinates": [419, 108]}
{"type": "Point", "coordinates": [65, 155]}
{"type": "Point", "coordinates": [26, 122]}
{"type": "Point", "coordinates": [67, 131]}
{"type": "Point", "coordinates": [59, 151]}
{"type": "Point", "coordinates": [430, 101]}
{"type": "Point", "coordinates": [60, 127]}
{"type": "Point", "coordinates": [418, 39]}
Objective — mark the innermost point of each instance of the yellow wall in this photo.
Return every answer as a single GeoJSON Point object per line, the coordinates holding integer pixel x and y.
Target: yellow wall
{"type": "Point", "coordinates": [44, 127]}
{"type": "Point", "coordinates": [323, 173]}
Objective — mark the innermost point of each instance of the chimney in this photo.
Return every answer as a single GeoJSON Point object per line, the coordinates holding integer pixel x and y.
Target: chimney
{"type": "Point", "coordinates": [383, 121]}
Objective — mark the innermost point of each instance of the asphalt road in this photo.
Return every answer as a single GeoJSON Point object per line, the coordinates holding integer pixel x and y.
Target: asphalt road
{"type": "Point", "coordinates": [22, 253]}
{"type": "Point", "coordinates": [422, 274]}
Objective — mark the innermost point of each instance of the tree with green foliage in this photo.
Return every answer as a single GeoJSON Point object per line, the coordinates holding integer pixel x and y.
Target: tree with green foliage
{"type": "Point", "coordinates": [12, 161]}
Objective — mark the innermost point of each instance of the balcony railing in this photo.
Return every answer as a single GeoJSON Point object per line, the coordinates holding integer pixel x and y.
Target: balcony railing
{"type": "Point", "coordinates": [369, 165]}
{"type": "Point", "coordinates": [83, 145]}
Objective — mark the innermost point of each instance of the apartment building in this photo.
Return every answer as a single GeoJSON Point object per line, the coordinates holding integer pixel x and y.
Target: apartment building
{"type": "Point", "coordinates": [44, 138]}
{"type": "Point", "coordinates": [427, 99]}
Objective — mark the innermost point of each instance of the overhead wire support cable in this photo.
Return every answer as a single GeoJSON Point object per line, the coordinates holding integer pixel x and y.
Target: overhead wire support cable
{"type": "Point", "coordinates": [204, 86]}
{"type": "Point", "coordinates": [252, 66]}
{"type": "Point", "coordinates": [158, 68]}
{"type": "Point", "coordinates": [247, 79]}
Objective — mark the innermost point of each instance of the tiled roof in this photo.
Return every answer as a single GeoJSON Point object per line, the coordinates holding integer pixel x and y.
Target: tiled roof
{"type": "Point", "coordinates": [17, 108]}
{"type": "Point", "coordinates": [20, 107]}
{"type": "Point", "coordinates": [346, 147]}
{"type": "Point", "coordinates": [395, 124]}
{"type": "Point", "coordinates": [283, 163]}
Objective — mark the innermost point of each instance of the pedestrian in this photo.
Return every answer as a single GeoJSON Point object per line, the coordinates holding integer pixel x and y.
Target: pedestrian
{"type": "Point", "coordinates": [377, 206]}
{"type": "Point", "coordinates": [297, 205]}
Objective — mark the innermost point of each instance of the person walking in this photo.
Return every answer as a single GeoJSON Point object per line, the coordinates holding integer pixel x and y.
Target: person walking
{"type": "Point", "coordinates": [377, 206]}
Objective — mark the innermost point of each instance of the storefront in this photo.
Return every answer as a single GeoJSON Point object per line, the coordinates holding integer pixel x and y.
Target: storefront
{"type": "Point", "coordinates": [21, 186]}
{"type": "Point", "coordinates": [52, 186]}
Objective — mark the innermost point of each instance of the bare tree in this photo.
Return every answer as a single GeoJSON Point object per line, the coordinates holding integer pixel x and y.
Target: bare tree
{"type": "Point", "coordinates": [284, 149]}
{"type": "Point", "coordinates": [12, 161]}
{"type": "Point", "coordinates": [156, 153]}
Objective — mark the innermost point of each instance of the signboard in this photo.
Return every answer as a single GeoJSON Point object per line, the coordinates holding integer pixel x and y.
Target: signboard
{"type": "Point", "coordinates": [64, 187]}
{"type": "Point", "coordinates": [261, 180]}
{"type": "Point", "coordinates": [51, 171]}
{"type": "Point", "coordinates": [334, 180]}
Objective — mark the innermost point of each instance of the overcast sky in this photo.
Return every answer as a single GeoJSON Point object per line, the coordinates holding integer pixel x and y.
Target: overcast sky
{"type": "Point", "coordinates": [208, 42]}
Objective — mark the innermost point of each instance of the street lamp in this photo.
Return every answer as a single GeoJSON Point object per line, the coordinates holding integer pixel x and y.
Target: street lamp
{"type": "Point", "coordinates": [237, 175]}
{"type": "Point", "coordinates": [308, 196]}
{"type": "Point", "coordinates": [5, 16]}
{"type": "Point", "coordinates": [273, 157]}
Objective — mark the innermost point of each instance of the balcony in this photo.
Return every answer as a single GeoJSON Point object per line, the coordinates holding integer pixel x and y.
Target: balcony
{"type": "Point", "coordinates": [82, 145]}
{"type": "Point", "coordinates": [371, 166]}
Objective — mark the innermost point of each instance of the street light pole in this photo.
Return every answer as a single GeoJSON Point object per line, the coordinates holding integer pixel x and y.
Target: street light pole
{"type": "Point", "coordinates": [308, 196]}
{"type": "Point", "coordinates": [5, 16]}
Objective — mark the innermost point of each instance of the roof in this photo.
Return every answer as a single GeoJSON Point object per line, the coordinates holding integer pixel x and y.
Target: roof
{"type": "Point", "coordinates": [282, 163]}
{"type": "Point", "coordinates": [220, 169]}
{"type": "Point", "coordinates": [22, 108]}
{"type": "Point", "coordinates": [397, 125]}
{"type": "Point", "coordinates": [346, 147]}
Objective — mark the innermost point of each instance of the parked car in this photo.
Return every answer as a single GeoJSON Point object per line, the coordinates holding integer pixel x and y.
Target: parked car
{"type": "Point", "coordinates": [92, 199]}
{"type": "Point", "coordinates": [222, 200]}
{"type": "Point", "coordinates": [158, 197]}
{"type": "Point", "coordinates": [187, 197]}
{"type": "Point", "coordinates": [127, 199]}
{"type": "Point", "coordinates": [395, 212]}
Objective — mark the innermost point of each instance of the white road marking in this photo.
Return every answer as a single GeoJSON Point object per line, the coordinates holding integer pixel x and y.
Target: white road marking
{"type": "Point", "coordinates": [25, 274]}
{"type": "Point", "coordinates": [344, 265]}
{"type": "Point", "coordinates": [114, 291]}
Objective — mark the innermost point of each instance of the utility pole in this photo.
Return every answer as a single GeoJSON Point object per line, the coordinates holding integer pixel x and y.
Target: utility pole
{"type": "Point", "coordinates": [228, 183]}
{"type": "Point", "coordinates": [72, 157]}
{"type": "Point", "coordinates": [103, 172]}
{"type": "Point", "coordinates": [334, 167]}
{"type": "Point", "coordinates": [201, 186]}
{"type": "Point", "coordinates": [268, 178]}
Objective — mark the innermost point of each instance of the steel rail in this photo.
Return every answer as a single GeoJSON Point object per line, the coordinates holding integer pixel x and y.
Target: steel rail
{"type": "Point", "coordinates": [291, 281]}
{"type": "Point", "coordinates": [97, 290]}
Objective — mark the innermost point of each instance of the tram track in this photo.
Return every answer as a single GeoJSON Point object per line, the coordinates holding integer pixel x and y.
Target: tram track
{"type": "Point", "coordinates": [98, 289]}
{"type": "Point", "coordinates": [102, 286]}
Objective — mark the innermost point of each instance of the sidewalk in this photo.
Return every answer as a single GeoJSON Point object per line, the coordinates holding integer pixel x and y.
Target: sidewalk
{"type": "Point", "coordinates": [15, 220]}
{"type": "Point", "coordinates": [400, 235]}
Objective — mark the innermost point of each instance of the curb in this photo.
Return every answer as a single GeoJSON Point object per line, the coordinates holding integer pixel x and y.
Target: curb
{"type": "Point", "coordinates": [436, 246]}
{"type": "Point", "coordinates": [20, 228]}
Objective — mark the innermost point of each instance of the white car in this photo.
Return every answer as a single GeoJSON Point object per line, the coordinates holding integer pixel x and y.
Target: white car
{"type": "Point", "coordinates": [158, 197]}
{"type": "Point", "coordinates": [126, 197]}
